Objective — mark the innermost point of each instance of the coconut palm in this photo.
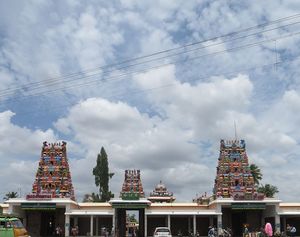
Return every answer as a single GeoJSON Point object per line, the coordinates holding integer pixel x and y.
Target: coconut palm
{"type": "Point", "coordinates": [268, 189]}
{"type": "Point", "coordinates": [10, 195]}
{"type": "Point", "coordinates": [256, 173]}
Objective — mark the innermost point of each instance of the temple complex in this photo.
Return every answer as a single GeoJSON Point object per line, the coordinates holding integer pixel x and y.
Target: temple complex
{"type": "Point", "coordinates": [234, 203]}
{"type": "Point", "coordinates": [53, 178]}
{"type": "Point", "coordinates": [161, 194]}
{"type": "Point", "coordinates": [234, 178]}
{"type": "Point", "coordinates": [132, 186]}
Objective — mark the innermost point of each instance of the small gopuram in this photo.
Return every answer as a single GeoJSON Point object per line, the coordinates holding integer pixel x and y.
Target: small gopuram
{"type": "Point", "coordinates": [132, 187]}
{"type": "Point", "coordinates": [161, 194]}
{"type": "Point", "coordinates": [234, 178]}
{"type": "Point", "coordinates": [132, 198]}
{"type": "Point", "coordinates": [53, 178]}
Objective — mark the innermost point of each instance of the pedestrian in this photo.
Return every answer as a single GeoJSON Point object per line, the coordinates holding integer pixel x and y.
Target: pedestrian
{"type": "Point", "coordinates": [293, 230]}
{"type": "Point", "coordinates": [268, 229]}
{"type": "Point", "coordinates": [58, 231]}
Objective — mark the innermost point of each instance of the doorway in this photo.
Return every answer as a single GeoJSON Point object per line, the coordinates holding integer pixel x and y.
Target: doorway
{"type": "Point", "coordinates": [130, 222]}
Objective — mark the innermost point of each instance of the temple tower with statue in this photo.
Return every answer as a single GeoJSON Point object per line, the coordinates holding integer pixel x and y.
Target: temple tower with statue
{"type": "Point", "coordinates": [53, 177]}
{"type": "Point", "coordinates": [234, 178]}
{"type": "Point", "coordinates": [132, 187]}
{"type": "Point", "coordinates": [161, 194]}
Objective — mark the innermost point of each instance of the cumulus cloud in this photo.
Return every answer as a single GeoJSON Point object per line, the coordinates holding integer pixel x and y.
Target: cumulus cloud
{"type": "Point", "coordinates": [173, 125]}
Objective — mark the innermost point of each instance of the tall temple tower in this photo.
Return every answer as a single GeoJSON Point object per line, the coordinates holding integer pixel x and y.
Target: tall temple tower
{"type": "Point", "coordinates": [53, 177]}
{"type": "Point", "coordinates": [132, 187]}
{"type": "Point", "coordinates": [234, 178]}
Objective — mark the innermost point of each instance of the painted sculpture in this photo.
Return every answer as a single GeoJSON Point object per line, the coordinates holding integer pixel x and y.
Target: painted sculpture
{"type": "Point", "coordinates": [53, 178]}
{"type": "Point", "coordinates": [234, 178]}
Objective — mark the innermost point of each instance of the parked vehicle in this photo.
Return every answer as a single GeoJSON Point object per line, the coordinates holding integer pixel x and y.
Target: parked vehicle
{"type": "Point", "coordinates": [12, 227]}
{"type": "Point", "coordinates": [162, 231]}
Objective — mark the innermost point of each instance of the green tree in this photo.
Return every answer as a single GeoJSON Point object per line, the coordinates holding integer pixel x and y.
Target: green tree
{"type": "Point", "coordinates": [256, 173]}
{"type": "Point", "coordinates": [10, 195]}
{"type": "Point", "coordinates": [102, 176]}
{"type": "Point", "coordinates": [91, 198]}
{"type": "Point", "coordinates": [268, 189]}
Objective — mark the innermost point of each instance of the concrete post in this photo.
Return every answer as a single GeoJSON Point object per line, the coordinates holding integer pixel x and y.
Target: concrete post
{"type": "Point", "coordinates": [277, 219]}
{"type": "Point", "coordinates": [67, 225]}
{"type": "Point", "coordinates": [97, 226]}
{"type": "Point", "coordinates": [194, 225]}
{"type": "Point", "coordinates": [146, 232]}
{"type": "Point", "coordinates": [92, 226]}
{"type": "Point", "coordinates": [169, 222]}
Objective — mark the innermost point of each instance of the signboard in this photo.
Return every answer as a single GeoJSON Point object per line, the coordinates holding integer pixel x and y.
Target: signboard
{"type": "Point", "coordinates": [38, 196]}
{"type": "Point", "coordinates": [248, 206]}
{"type": "Point", "coordinates": [130, 196]}
{"type": "Point", "coordinates": [38, 206]}
{"type": "Point", "coordinates": [130, 205]}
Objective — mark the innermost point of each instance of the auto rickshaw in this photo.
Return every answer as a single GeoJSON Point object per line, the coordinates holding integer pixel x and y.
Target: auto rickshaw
{"type": "Point", "coordinates": [12, 227]}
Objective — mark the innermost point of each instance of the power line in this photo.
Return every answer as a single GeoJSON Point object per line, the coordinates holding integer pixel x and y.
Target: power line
{"type": "Point", "coordinates": [117, 77]}
{"type": "Point", "coordinates": [265, 66]}
{"type": "Point", "coordinates": [56, 80]}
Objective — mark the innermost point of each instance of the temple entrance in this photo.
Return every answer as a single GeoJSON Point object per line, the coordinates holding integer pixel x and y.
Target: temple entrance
{"type": "Point", "coordinates": [44, 222]}
{"type": "Point", "coordinates": [239, 218]}
{"type": "Point", "coordinates": [47, 224]}
{"type": "Point", "coordinates": [130, 222]}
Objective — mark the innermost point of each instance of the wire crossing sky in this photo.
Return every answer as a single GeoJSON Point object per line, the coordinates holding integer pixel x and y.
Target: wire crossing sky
{"type": "Point", "coordinates": [157, 84]}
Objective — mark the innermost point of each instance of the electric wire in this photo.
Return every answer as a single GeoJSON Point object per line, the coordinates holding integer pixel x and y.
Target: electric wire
{"type": "Point", "coordinates": [52, 80]}
{"type": "Point", "coordinates": [117, 77]}
{"type": "Point", "coordinates": [148, 90]}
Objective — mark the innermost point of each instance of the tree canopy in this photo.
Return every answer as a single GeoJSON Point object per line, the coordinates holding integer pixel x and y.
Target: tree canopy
{"type": "Point", "coordinates": [10, 195]}
{"type": "Point", "coordinates": [256, 173]}
{"type": "Point", "coordinates": [102, 176]}
{"type": "Point", "coordinates": [268, 189]}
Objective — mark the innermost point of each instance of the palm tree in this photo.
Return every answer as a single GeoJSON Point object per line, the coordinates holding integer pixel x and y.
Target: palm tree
{"type": "Point", "coordinates": [10, 195]}
{"type": "Point", "coordinates": [256, 173]}
{"type": "Point", "coordinates": [268, 189]}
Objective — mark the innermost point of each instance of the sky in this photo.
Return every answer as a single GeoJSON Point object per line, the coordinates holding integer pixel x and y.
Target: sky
{"type": "Point", "coordinates": [156, 83]}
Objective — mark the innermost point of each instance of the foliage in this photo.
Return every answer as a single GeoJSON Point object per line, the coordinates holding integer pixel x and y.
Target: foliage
{"type": "Point", "coordinates": [268, 189]}
{"type": "Point", "coordinates": [102, 176]}
{"type": "Point", "coordinates": [10, 195]}
{"type": "Point", "coordinates": [91, 198]}
{"type": "Point", "coordinates": [132, 218]}
{"type": "Point", "coordinates": [256, 173]}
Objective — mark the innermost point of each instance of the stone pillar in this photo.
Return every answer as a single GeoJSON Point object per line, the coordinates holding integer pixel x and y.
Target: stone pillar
{"type": "Point", "coordinates": [219, 223]}
{"type": "Point", "coordinates": [67, 225]}
{"type": "Point", "coordinates": [92, 226]}
{"type": "Point", "coordinates": [146, 222]}
{"type": "Point", "coordinates": [211, 220]}
{"type": "Point", "coordinates": [277, 218]}
{"type": "Point", "coordinates": [284, 224]}
{"type": "Point", "coordinates": [97, 226]}
{"type": "Point", "coordinates": [194, 225]}
{"type": "Point", "coordinates": [76, 220]}
{"type": "Point", "coordinates": [169, 222]}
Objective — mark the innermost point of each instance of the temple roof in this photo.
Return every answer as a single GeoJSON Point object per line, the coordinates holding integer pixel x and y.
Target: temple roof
{"type": "Point", "coordinates": [161, 194]}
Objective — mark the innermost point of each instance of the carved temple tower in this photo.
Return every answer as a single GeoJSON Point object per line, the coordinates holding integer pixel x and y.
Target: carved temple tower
{"type": "Point", "coordinates": [53, 177]}
{"type": "Point", "coordinates": [234, 178]}
{"type": "Point", "coordinates": [161, 194]}
{"type": "Point", "coordinates": [132, 187]}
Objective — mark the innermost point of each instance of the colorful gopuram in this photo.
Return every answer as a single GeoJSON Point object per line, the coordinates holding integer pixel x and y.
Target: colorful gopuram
{"type": "Point", "coordinates": [53, 177]}
{"type": "Point", "coordinates": [234, 178]}
{"type": "Point", "coordinates": [161, 194]}
{"type": "Point", "coordinates": [132, 187]}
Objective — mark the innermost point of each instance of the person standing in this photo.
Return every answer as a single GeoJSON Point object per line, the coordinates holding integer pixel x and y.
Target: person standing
{"type": "Point", "coordinates": [293, 231]}
{"type": "Point", "coordinates": [268, 229]}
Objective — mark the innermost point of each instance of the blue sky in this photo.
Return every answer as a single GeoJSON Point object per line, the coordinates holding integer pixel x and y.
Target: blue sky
{"type": "Point", "coordinates": [61, 79]}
